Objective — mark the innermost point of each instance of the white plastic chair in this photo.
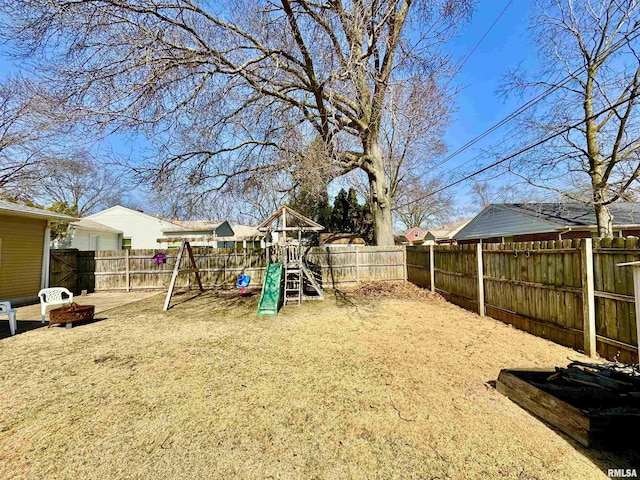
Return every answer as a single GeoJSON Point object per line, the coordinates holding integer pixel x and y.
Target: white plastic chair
{"type": "Point", "coordinates": [53, 296]}
{"type": "Point", "coordinates": [5, 309]}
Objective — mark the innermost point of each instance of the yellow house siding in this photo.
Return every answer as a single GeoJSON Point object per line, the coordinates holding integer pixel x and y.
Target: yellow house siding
{"type": "Point", "coordinates": [21, 244]}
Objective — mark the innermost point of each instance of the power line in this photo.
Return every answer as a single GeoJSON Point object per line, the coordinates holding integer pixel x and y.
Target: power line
{"type": "Point", "coordinates": [527, 105]}
{"type": "Point", "coordinates": [520, 152]}
{"type": "Point", "coordinates": [464, 60]}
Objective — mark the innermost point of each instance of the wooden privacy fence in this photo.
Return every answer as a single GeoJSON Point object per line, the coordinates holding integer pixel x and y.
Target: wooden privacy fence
{"type": "Point", "coordinates": [570, 291]}
{"type": "Point", "coordinates": [341, 266]}
{"type": "Point", "coordinates": [72, 269]}
{"type": "Point", "coordinates": [135, 269]}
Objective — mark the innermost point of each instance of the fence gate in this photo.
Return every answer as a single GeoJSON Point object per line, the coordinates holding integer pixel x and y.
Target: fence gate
{"type": "Point", "coordinates": [63, 269]}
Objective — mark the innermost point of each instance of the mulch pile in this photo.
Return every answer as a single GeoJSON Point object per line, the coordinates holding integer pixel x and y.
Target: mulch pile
{"type": "Point", "coordinates": [400, 290]}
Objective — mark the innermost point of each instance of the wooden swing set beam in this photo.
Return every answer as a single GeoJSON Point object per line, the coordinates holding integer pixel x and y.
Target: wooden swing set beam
{"type": "Point", "coordinates": [177, 270]}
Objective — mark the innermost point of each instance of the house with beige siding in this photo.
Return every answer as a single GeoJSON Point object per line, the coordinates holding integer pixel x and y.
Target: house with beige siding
{"type": "Point", "coordinates": [24, 250]}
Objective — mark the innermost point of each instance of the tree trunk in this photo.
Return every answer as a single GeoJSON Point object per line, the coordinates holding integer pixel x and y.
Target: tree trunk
{"type": "Point", "coordinates": [605, 221]}
{"type": "Point", "coordinates": [380, 197]}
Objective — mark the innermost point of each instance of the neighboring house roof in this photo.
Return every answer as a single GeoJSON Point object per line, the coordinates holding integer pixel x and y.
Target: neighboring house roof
{"type": "Point", "coordinates": [85, 224]}
{"type": "Point", "coordinates": [216, 230]}
{"type": "Point", "coordinates": [247, 231]}
{"type": "Point", "coordinates": [579, 214]}
{"type": "Point", "coordinates": [138, 212]}
{"type": "Point", "coordinates": [446, 231]}
{"type": "Point", "coordinates": [341, 239]}
{"type": "Point", "coordinates": [193, 226]}
{"type": "Point", "coordinates": [15, 209]}
{"type": "Point", "coordinates": [499, 220]}
{"type": "Point", "coordinates": [400, 239]}
{"type": "Point", "coordinates": [405, 233]}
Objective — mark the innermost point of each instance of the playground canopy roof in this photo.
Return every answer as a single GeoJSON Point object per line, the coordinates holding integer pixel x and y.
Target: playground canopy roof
{"type": "Point", "coordinates": [287, 220]}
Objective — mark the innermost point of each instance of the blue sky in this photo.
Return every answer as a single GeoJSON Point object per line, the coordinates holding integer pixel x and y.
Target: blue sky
{"type": "Point", "coordinates": [507, 46]}
{"type": "Point", "coordinates": [480, 106]}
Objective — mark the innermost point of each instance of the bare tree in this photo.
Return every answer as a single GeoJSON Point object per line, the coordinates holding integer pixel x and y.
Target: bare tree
{"type": "Point", "coordinates": [418, 208]}
{"type": "Point", "coordinates": [486, 193]}
{"type": "Point", "coordinates": [19, 140]}
{"type": "Point", "coordinates": [590, 50]}
{"type": "Point", "coordinates": [80, 181]}
{"type": "Point", "coordinates": [220, 86]}
{"type": "Point", "coordinates": [412, 140]}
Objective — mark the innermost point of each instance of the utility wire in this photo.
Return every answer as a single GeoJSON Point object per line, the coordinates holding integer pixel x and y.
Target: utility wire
{"type": "Point", "coordinates": [528, 105]}
{"type": "Point", "coordinates": [520, 152]}
{"type": "Point", "coordinates": [464, 60]}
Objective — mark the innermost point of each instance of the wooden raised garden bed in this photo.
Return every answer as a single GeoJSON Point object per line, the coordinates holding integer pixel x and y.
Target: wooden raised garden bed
{"type": "Point", "coordinates": [593, 404]}
{"type": "Point", "coordinates": [71, 314]}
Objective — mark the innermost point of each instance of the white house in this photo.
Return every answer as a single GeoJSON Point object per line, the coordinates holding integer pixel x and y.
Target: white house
{"type": "Point", "coordinates": [90, 235]}
{"type": "Point", "coordinates": [238, 236]}
{"type": "Point", "coordinates": [250, 236]}
{"type": "Point", "coordinates": [139, 229]}
{"type": "Point", "coordinates": [196, 229]}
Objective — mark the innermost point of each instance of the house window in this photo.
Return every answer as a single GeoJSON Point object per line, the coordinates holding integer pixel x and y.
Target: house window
{"type": "Point", "coordinates": [126, 244]}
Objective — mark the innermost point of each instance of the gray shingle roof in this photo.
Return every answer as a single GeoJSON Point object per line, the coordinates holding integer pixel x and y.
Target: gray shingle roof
{"type": "Point", "coordinates": [501, 220]}
{"type": "Point", "coordinates": [578, 214]}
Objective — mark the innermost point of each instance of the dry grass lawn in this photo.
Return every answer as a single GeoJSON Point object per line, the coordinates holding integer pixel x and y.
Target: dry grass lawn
{"type": "Point", "coordinates": [352, 387]}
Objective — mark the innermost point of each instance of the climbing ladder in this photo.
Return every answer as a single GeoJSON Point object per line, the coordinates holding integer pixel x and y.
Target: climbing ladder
{"type": "Point", "coordinates": [292, 275]}
{"type": "Point", "coordinates": [292, 286]}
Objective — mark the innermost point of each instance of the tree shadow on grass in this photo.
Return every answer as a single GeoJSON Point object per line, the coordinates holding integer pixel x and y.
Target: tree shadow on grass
{"type": "Point", "coordinates": [28, 325]}
{"type": "Point", "coordinates": [223, 298]}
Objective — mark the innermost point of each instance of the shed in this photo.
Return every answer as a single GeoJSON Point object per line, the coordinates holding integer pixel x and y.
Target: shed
{"type": "Point", "coordinates": [24, 250]}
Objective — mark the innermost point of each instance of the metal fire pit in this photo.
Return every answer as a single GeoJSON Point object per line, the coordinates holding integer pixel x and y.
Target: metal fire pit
{"type": "Point", "coordinates": [71, 314]}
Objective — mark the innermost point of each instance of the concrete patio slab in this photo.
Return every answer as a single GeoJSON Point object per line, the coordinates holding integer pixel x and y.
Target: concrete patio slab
{"type": "Point", "coordinates": [29, 317]}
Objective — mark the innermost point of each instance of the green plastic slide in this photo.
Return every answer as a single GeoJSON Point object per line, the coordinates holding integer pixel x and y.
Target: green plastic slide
{"type": "Point", "coordinates": [271, 290]}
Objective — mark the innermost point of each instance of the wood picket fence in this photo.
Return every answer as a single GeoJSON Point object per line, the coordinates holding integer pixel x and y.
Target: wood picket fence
{"type": "Point", "coordinates": [571, 292]}
{"type": "Point", "coordinates": [335, 266]}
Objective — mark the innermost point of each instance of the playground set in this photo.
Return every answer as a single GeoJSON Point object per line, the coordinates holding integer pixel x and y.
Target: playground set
{"type": "Point", "coordinates": [288, 280]}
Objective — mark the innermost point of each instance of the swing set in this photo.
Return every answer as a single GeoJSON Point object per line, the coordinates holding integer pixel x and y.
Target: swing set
{"type": "Point", "coordinates": [288, 279]}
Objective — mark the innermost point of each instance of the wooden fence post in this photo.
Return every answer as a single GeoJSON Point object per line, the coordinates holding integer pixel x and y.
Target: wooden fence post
{"type": "Point", "coordinates": [480, 281]}
{"type": "Point", "coordinates": [127, 270]}
{"type": "Point", "coordinates": [357, 264]}
{"type": "Point", "coordinates": [404, 260]}
{"type": "Point", "coordinates": [588, 297]}
{"type": "Point", "coordinates": [432, 265]}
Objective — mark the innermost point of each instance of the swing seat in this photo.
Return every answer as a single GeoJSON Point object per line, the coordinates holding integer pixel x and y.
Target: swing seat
{"type": "Point", "coordinates": [243, 283]}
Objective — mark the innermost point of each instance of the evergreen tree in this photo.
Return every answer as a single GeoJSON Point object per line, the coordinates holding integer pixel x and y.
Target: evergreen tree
{"type": "Point", "coordinates": [339, 215]}
{"type": "Point", "coordinates": [348, 216]}
{"type": "Point", "coordinates": [308, 204]}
